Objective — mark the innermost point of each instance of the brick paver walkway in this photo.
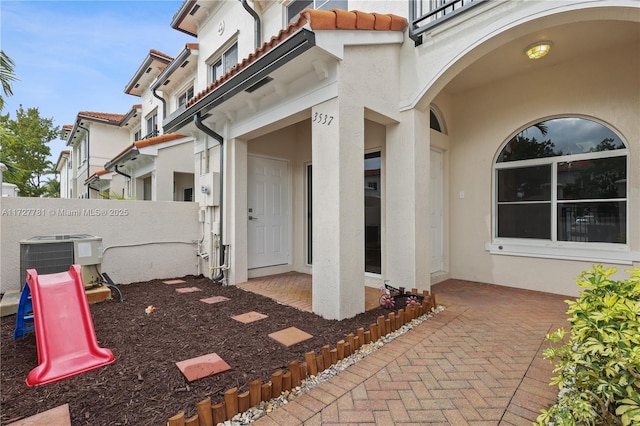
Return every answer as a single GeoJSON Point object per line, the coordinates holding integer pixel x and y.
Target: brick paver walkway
{"type": "Point", "coordinates": [477, 363]}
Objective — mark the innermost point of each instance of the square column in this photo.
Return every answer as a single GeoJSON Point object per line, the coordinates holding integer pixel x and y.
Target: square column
{"type": "Point", "coordinates": [338, 209]}
{"type": "Point", "coordinates": [407, 202]}
{"type": "Point", "coordinates": [235, 210]}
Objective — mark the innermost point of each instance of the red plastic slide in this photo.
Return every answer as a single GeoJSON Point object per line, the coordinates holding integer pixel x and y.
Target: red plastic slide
{"type": "Point", "coordinates": [65, 337]}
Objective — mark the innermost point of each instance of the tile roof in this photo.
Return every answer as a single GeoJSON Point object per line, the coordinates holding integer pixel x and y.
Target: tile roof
{"type": "Point", "coordinates": [334, 19]}
{"type": "Point", "coordinates": [337, 19]}
{"type": "Point", "coordinates": [148, 142]}
{"type": "Point", "coordinates": [157, 140]}
{"type": "Point", "coordinates": [160, 54]}
{"type": "Point", "coordinates": [115, 118]}
{"type": "Point", "coordinates": [97, 174]}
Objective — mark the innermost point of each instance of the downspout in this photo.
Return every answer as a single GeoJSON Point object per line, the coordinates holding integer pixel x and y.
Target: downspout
{"type": "Point", "coordinates": [88, 157]}
{"type": "Point", "coordinates": [127, 176]}
{"type": "Point", "coordinates": [122, 173]}
{"type": "Point", "coordinates": [197, 120]}
{"type": "Point", "coordinates": [256, 18]}
{"type": "Point", "coordinates": [164, 104]}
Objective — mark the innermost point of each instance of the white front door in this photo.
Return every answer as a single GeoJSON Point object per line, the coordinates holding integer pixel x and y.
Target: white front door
{"type": "Point", "coordinates": [435, 210]}
{"type": "Point", "coordinates": [268, 212]}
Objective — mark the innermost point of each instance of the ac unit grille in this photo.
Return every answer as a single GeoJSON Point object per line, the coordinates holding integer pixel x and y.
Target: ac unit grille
{"type": "Point", "coordinates": [51, 254]}
{"type": "Point", "coordinates": [48, 258]}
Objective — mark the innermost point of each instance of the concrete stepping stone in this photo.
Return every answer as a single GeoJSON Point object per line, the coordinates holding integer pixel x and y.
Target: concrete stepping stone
{"type": "Point", "coordinates": [214, 299]}
{"type": "Point", "coordinates": [248, 317]}
{"type": "Point", "coordinates": [187, 290]}
{"type": "Point", "coordinates": [202, 366]}
{"type": "Point", "coordinates": [290, 336]}
{"type": "Point", "coordinates": [172, 282]}
{"type": "Point", "coordinates": [58, 416]}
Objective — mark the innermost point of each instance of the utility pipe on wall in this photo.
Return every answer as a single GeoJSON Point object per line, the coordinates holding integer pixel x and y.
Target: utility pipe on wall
{"type": "Point", "coordinates": [197, 120]}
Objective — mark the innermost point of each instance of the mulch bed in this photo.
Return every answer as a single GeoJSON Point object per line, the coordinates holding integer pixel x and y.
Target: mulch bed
{"type": "Point", "coordinates": [144, 386]}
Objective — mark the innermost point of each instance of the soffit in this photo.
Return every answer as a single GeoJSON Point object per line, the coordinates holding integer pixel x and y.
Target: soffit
{"type": "Point", "coordinates": [151, 67]}
{"type": "Point", "coordinates": [570, 41]}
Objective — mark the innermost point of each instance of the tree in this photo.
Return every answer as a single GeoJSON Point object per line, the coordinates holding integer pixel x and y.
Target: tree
{"type": "Point", "coordinates": [51, 188]}
{"type": "Point", "coordinates": [25, 146]}
{"type": "Point", "coordinates": [7, 75]}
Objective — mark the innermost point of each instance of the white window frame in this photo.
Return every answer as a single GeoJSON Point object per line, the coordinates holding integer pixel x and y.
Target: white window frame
{"type": "Point", "coordinates": [186, 94]}
{"type": "Point", "coordinates": [222, 56]}
{"type": "Point", "coordinates": [154, 117]}
{"type": "Point", "coordinates": [617, 253]}
{"type": "Point", "coordinates": [313, 4]}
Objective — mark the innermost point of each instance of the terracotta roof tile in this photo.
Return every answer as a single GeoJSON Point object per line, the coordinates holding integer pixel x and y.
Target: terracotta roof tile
{"type": "Point", "coordinates": [116, 118]}
{"type": "Point", "coordinates": [148, 142]}
{"type": "Point", "coordinates": [157, 140]}
{"type": "Point", "coordinates": [67, 127]}
{"type": "Point", "coordinates": [334, 19]}
{"type": "Point", "coordinates": [159, 53]}
{"type": "Point", "coordinates": [97, 174]}
{"type": "Point", "coordinates": [192, 46]}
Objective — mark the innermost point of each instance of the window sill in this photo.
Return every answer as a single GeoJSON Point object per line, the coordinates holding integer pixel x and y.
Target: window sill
{"type": "Point", "coordinates": [601, 253]}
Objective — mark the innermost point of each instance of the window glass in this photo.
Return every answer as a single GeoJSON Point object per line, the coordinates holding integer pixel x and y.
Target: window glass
{"type": "Point", "coordinates": [563, 179]}
{"type": "Point", "coordinates": [560, 136]}
{"type": "Point", "coordinates": [531, 220]}
{"type": "Point", "coordinates": [525, 184]}
{"type": "Point", "coordinates": [434, 123]}
{"type": "Point", "coordinates": [185, 97]}
{"type": "Point", "coordinates": [603, 222]}
{"type": "Point", "coordinates": [224, 64]}
{"type": "Point", "coordinates": [230, 58]}
{"type": "Point", "coordinates": [588, 179]}
{"type": "Point", "coordinates": [372, 213]}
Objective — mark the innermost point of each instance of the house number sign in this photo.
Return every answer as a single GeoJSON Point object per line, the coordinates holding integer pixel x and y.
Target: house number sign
{"type": "Point", "coordinates": [320, 118]}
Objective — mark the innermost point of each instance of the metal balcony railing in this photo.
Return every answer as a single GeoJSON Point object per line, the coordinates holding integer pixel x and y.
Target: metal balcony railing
{"type": "Point", "coordinates": [151, 134]}
{"type": "Point", "coordinates": [426, 14]}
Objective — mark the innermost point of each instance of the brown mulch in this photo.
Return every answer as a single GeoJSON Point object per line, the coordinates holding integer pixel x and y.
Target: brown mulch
{"type": "Point", "coordinates": [144, 386]}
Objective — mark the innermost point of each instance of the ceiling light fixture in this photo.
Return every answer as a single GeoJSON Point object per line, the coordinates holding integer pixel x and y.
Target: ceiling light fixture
{"type": "Point", "coordinates": [538, 49]}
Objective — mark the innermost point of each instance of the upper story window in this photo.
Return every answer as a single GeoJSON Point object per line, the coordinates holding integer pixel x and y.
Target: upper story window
{"type": "Point", "coordinates": [152, 125]}
{"type": "Point", "coordinates": [223, 63]}
{"type": "Point", "coordinates": [185, 97]}
{"type": "Point", "coordinates": [137, 135]}
{"type": "Point", "coordinates": [563, 179]}
{"type": "Point", "coordinates": [296, 6]}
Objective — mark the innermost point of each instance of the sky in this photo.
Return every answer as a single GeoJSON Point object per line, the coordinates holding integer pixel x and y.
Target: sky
{"type": "Point", "coordinates": [73, 56]}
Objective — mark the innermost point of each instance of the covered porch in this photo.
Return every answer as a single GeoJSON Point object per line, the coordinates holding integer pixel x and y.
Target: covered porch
{"type": "Point", "coordinates": [294, 289]}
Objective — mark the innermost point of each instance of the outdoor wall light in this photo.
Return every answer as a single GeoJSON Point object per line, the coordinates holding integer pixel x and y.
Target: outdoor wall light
{"type": "Point", "coordinates": [538, 49]}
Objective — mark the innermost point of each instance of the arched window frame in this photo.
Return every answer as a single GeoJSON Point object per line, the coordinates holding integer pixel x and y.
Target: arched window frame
{"type": "Point", "coordinates": [552, 248]}
{"type": "Point", "coordinates": [434, 113]}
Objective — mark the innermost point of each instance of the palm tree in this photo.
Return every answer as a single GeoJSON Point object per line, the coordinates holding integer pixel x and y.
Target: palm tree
{"type": "Point", "coordinates": [52, 188]}
{"type": "Point", "coordinates": [7, 76]}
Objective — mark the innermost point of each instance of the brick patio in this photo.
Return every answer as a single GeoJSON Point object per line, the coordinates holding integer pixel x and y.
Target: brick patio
{"type": "Point", "coordinates": [477, 363]}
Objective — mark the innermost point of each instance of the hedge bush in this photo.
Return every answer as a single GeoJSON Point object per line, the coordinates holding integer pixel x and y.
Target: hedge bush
{"type": "Point", "coordinates": [598, 362]}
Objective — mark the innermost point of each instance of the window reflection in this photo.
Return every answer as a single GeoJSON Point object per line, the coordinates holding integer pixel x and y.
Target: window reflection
{"type": "Point", "coordinates": [372, 216]}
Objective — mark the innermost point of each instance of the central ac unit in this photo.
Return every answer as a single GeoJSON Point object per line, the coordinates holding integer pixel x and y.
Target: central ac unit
{"type": "Point", "coordinates": [50, 254]}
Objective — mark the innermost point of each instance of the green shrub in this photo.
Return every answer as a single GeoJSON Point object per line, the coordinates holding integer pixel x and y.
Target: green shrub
{"type": "Point", "coordinates": [598, 366]}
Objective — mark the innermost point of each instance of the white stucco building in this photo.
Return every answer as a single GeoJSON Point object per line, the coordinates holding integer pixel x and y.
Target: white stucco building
{"type": "Point", "coordinates": [403, 142]}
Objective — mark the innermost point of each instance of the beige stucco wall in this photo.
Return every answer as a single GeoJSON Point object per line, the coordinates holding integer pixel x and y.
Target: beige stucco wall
{"type": "Point", "coordinates": [141, 240]}
{"type": "Point", "coordinates": [483, 119]}
{"type": "Point", "coordinates": [176, 158]}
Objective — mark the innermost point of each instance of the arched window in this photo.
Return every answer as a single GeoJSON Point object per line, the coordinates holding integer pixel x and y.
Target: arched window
{"type": "Point", "coordinates": [562, 179]}
{"type": "Point", "coordinates": [436, 120]}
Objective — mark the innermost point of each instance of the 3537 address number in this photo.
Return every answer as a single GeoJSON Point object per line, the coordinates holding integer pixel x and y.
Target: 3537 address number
{"type": "Point", "coordinates": [321, 118]}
